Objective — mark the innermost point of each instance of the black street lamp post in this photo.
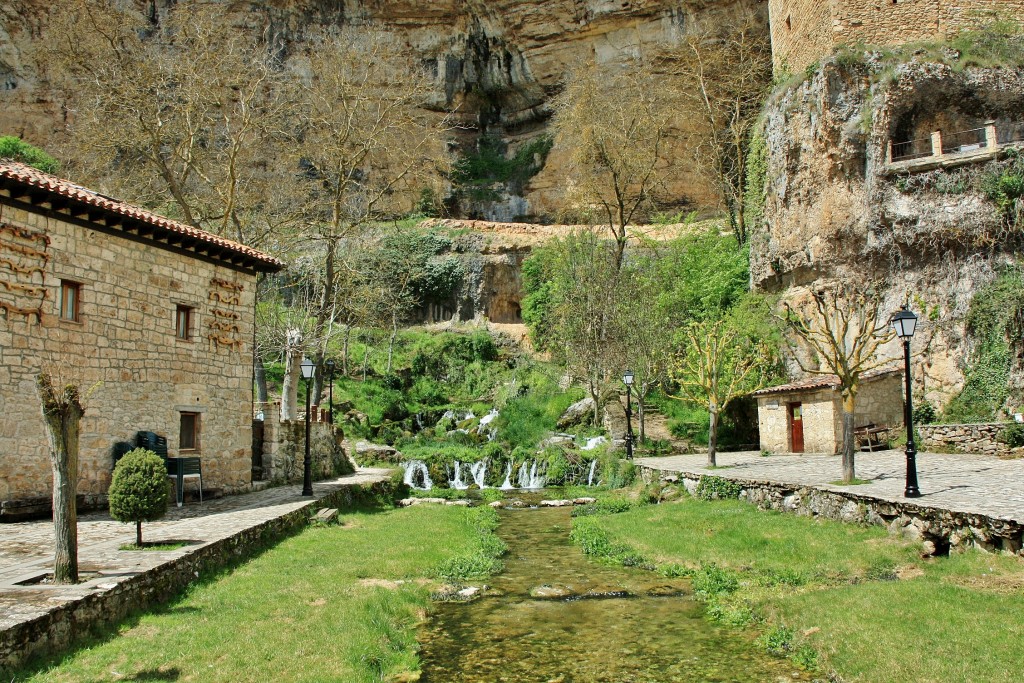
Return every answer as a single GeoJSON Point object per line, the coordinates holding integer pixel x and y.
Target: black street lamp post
{"type": "Point", "coordinates": [627, 379]}
{"type": "Point", "coordinates": [307, 368]}
{"type": "Point", "coordinates": [330, 390]}
{"type": "Point", "coordinates": [904, 322]}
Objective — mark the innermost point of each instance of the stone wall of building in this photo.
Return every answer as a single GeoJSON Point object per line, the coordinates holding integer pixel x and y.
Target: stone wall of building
{"type": "Point", "coordinates": [284, 447]}
{"type": "Point", "coordinates": [970, 438]}
{"type": "Point", "coordinates": [804, 31]}
{"type": "Point", "coordinates": [123, 352]}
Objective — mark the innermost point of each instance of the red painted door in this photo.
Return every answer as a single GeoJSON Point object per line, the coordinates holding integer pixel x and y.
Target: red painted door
{"type": "Point", "coordinates": [796, 426]}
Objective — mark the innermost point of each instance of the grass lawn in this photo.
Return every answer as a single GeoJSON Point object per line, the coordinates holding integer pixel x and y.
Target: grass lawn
{"type": "Point", "coordinates": [322, 606]}
{"type": "Point", "coordinates": [861, 603]}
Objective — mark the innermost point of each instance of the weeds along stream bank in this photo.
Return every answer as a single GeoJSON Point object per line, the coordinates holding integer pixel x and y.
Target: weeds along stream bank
{"type": "Point", "coordinates": [846, 602]}
{"type": "Point", "coordinates": [334, 603]}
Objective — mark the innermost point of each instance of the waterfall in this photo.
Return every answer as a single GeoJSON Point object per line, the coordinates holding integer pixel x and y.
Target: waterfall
{"type": "Point", "coordinates": [524, 476]}
{"type": "Point", "coordinates": [590, 477]}
{"type": "Point", "coordinates": [414, 468]}
{"type": "Point", "coordinates": [529, 478]}
{"type": "Point", "coordinates": [507, 486]}
{"type": "Point", "coordinates": [457, 483]}
{"type": "Point", "coordinates": [593, 442]}
{"type": "Point", "coordinates": [479, 472]}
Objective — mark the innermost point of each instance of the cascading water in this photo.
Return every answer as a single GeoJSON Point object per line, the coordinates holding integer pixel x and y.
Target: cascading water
{"type": "Point", "coordinates": [529, 477]}
{"type": "Point", "coordinates": [590, 477]}
{"type": "Point", "coordinates": [416, 475]}
{"type": "Point", "coordinates": [593, 442]}
{"type": "Point", "coordinates": [507, 486]}
{"type": "Point", "coordinates": [479, 472]}
{"type": "Point", "coordinates": [456, 482]}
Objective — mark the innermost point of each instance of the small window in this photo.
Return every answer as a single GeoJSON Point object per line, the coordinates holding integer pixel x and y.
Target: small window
{"type": "Point", "coordinates": [70, 300]}
{"type": "Point", "coordinates": [188, 439]}
{"type": "Point", "coordinates": [183, 323]}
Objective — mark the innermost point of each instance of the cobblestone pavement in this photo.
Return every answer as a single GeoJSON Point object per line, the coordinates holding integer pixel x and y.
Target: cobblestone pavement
{"type": "Point", "coordinates": [964, 483]}
{"type": "Point", "coordinates": [26, 548]}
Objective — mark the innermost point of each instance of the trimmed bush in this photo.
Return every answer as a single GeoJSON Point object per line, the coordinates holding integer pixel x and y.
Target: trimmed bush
{"type": "Point", "coordinates": [138, 490]}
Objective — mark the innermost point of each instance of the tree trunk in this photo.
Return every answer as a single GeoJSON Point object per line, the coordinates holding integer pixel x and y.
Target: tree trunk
{"type": "Point", "coordinates": [290, 385]}
{"type": "Point", "coordinates": [366, 359]}
{"type": "Point", "coordinates": [260, 376]}
{"type": "Point", "coordinates": [391, 342]}
{"type": "Point", "coordinates": [848, 426]}
{"type": "Point", "coordinates": [138, 533]}
{"type": "Point", "coordinates": [640, 415]}
{"type": "Point", "coordinates": [62, 414]}
{"type": "Point", "coordinates": [593, 387]}
{"type": "Point", "coordinates": [344, 350]}
{"type": "Point", "coordinates": [712, 437]}
{"type": "Point", "coordinates": [319, 380]}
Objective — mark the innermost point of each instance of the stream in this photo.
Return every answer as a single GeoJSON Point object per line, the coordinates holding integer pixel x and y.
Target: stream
{"type": "Point", "coordinates": [555, 616]}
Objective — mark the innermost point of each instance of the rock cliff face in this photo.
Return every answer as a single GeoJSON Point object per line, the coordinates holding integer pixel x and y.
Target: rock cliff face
{"type": "Point", "coordinates": [496, 62]}
{"type": "Point", "coordinates": [835, 208]}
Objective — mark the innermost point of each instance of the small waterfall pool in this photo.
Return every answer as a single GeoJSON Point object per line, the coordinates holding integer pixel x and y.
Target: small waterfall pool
{"type": "Point", "coordinates": [555, 615]}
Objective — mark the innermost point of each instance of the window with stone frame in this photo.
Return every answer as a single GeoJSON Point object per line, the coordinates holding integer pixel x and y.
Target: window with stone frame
{"type": "Point", "coordinates": [188, 434]}
{"type": "Point", "coordinates": [70, 300]}
{"type": "Point", "coordinates": [183, 322]}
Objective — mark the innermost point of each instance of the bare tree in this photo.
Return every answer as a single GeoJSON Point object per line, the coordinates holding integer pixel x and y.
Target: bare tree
{"type": "Point", "coordinates": [617, 126]}
{"type": "Point", "coordinates": [717, 365]}
{"type": "Point", "coordinates": [179, 112]}
{"type": "Point", "coordinates": [367, 147]}
{"type": "Point", "coordinates": [62, 413]}
{"type": "Point", "coordinates": [722, 75]}
{"type": "Point", "coordinates": [843, 335]}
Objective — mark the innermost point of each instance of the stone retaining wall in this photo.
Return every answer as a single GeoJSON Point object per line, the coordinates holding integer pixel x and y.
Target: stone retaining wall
{"type": "Point", "coordinates": [970, 438]}
{"type": "Point", "coordinates": [70, 622]}
{"type": "Point", "coordinates": [940, 530]}
{"type": "Point", "coordinates": [284, 444]}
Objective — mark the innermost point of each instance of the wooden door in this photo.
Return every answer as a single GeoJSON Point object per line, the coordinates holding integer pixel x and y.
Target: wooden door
{"type": "Point", "coordinates": [796, 427]}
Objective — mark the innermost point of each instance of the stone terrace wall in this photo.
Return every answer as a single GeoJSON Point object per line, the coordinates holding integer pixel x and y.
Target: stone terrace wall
{"type": "Point", "coordinates": [940, 530]}
{"type": "Point", "coordinates": [970, 438]}
{"type": "Point", "coordinates": [284, 448]}
{"type": "Point", "coordinates": [134, 373]}
{"type": "Point", "coordinates": [818, 26]}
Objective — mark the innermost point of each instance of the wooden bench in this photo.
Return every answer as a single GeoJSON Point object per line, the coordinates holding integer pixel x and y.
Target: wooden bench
{"type": "Point", "coordinates": [326, 515]}
{"type": "Point", "coordinates": [871, 437]}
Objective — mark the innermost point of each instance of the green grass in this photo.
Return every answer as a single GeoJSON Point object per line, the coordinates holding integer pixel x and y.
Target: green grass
{"type": "Point", "coordinates": [322, 606]}
{"type": "Point", "coordinates": [843, 599]}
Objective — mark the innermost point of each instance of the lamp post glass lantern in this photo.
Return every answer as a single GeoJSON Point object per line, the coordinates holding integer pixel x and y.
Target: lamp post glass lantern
{"type": "Point", "coordinates": [627, 379]}
{"type": "Point", "coordinates": [904, 323]}
{"type": "Point", "coordinates": [307, 368]}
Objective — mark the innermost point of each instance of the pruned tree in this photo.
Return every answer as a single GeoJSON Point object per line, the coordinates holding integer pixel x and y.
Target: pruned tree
{"type": "Point", "coordinates": [138, 489]}
{"type": "Point", "coordinates": [616, 125]}
{"type": "Point", "coordinates": [843, 335]}
{"type": "Point", "coordinates": [715, 365]}
{"type": "Point", "coordinates": [62, 414]}
{"type": "Point", "coordinates": [721, 76]}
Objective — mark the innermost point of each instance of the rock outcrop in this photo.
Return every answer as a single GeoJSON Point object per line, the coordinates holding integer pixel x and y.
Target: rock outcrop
{"type": "Point", "coordinates": [496, 63]}
{"type": "Point", "coordinates": [835, 208]}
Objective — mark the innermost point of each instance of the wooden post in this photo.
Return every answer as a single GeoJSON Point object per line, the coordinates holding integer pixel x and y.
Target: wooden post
{"type": "Point", "coordinates": [991, 139]}
{"type": "Point", "coordinates": [937, 144]}
{"type": "Point", "coordinates": [888, 153]}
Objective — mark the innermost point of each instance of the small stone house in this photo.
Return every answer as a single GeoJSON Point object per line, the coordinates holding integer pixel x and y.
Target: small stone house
{"type": "Point", "coordinates": [151, 318]}
{"type": "Point", "coordinates": [807, 416]}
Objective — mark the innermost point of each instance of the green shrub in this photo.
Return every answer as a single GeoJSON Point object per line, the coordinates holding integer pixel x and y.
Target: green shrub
{"type": "Point", "coordinates": [717, 488]}
{"type": "Point", "coordinates": [1013, 436]}
{"type": "Point", "coordinates": [12, 147]}
{"type": "Point", "coordinates": [712, 581]}
{"type": "Point", "coordinates": [138, 489]}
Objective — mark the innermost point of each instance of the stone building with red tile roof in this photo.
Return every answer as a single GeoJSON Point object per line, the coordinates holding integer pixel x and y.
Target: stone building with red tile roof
{"type": "Point", "coordinates": [151, 318]}
{"type": "Point", "coordinates": [806, 416]}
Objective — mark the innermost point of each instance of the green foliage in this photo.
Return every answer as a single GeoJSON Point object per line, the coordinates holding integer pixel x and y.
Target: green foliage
{"type": "Point", "coordinates": [754, 193]}
{"type": "Point", "coordinates": [1005, 185]}
{"type": "Point", "coordinates": [1013, 435]}
{"type": "Point", "coordinates": [138, 488]}
{"type": "Point", "coordinates": [488, 164]}
{"type": "Point", "coordinates": [924, 412]}
{"type": "Point", "coordinates": [994, 323]}
{"type": "Point", "coordinates": [604, 506]}
{"type": "Point", "coordinates": [15, 148]}
{"type": "Point", "coordinates": [484, 558]}
{"type": "Point", "coordinates": [593, 540]}
{"type": "Point", "coordinates": [717, 488]}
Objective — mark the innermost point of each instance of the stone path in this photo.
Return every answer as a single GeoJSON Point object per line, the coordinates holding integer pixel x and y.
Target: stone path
{"type": "Point", "coordinates": [26, 548]}
{"type": "Point", "coordinates": [973, 484]}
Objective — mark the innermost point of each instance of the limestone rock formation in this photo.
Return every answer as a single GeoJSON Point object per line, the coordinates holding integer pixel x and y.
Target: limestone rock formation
{"type": "Point", "coordinates": [836, 208]}
{"type": "Point", "coordinates": [496, 63]}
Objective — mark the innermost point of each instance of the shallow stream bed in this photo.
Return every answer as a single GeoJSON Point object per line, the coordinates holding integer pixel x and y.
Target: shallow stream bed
{"type": "Point", "coordinates": [554, 616]}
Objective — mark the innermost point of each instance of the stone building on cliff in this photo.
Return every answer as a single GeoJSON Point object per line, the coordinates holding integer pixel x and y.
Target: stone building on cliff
{"type": "Point", "coordinates": [804, 31]}
{"type": "Point", "coordinates": [153, 319]}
